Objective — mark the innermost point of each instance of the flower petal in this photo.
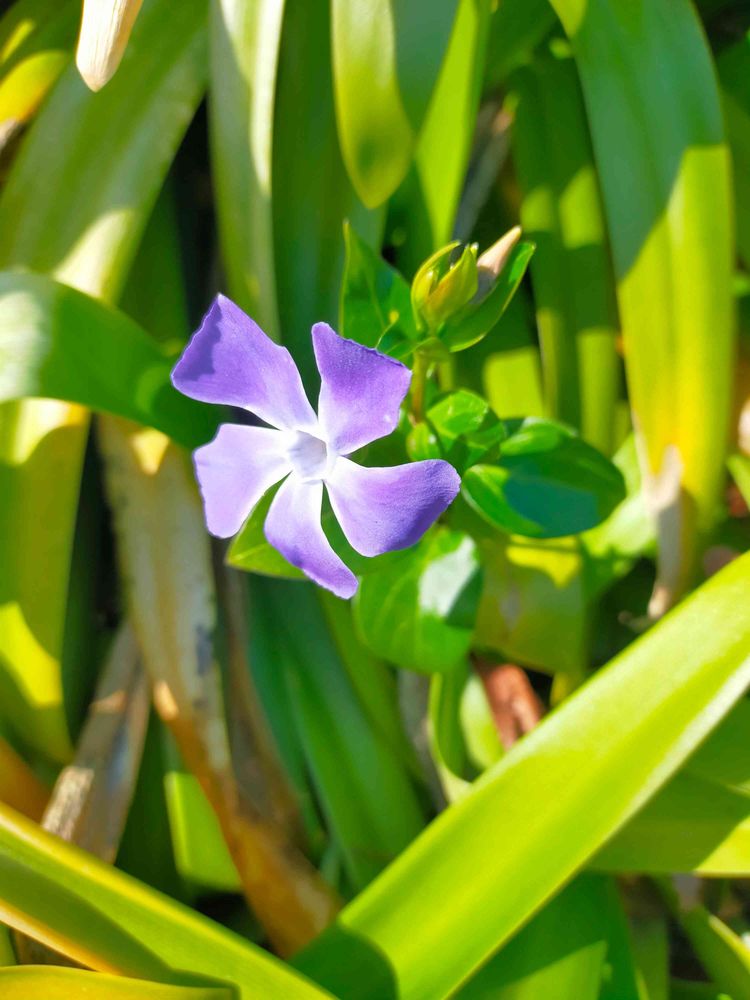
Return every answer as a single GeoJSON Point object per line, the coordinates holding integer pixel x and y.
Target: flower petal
{"type": "Point", "coordinates": [293, 527]}
{"type": "Point", "coordinates": [381, 510]}
{"type": "Point", "coordinates": [361, 390]}
{"type": "Point", "coordinates": [235, 470]}
{"type": "Point", "coordinates": [230, 360]}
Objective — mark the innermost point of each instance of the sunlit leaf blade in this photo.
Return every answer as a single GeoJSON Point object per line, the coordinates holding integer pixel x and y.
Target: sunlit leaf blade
{"type": "Point", "coordinates": [571, 271]}
{"type": "Point", "coordinates": [105, 30]}
{"type": "Point", "coordinates": [307, 171]}
{"type": "Point", "coordinates": [58, 343]}
{"type": "Point", "coordinates": [666, 195]}
{"type": "Point", "coordinates": [113, 923]}
{"type": "Point", "coordinates": [245, 38]}
{"type": "Point", "coordinates": [636, 709]}
{"type": "Point", "coordinates": [33, 983]}
{"type": "Point", "coordinates": [386, 58]}
{"type": "Point", "coordinates": [75, 204]}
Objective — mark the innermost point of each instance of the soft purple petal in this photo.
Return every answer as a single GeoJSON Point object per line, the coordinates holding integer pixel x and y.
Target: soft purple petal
{"type": "Point", "coordinates": [381, 510]}
{"type": "Point", "coordinates": [235, 470]}
{"type": "Point", "coordinates": [293, 527]}
{"type": "Point", "coordinates": [230, 360]}
{"type": "Point", "coordinates": [361, 390]}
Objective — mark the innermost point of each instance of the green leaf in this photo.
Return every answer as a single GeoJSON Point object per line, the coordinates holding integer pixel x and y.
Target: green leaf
{"type": "Point", "coordinates": [386, 59]}
{"type": "Point", "coordinates": [251, 551]}
{"type": "Point", "coordinates": [58, 343]}
{"type": "Point", "coordinates": [478, 319]}
{"type": "Point", "coordinates": [548, 483]}
{"type": "Point", "coordinates": [113, 923]}
{"type": "Point", "coordinates": [637, 709]}
{"type": "Point", "coordinates": [571, 271]}
{"type": "Point", "coordinates": [419, 611]}
{"type": "Point", "coordinates": [51, 983]}
{"type": "Point", "coordinates": [666, 193]}
{"type": "Point", "coordinates": [375, 298]}
{"type": "Point", "coordinates": [245, 43]}
{"type": "Point", "coordinates": [459, 413]}
{"type": "Point", "coordinates": [559, 954]}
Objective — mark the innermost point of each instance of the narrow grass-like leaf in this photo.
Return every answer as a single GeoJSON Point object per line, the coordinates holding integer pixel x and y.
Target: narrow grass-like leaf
{"type": "Point", "coordinates": [33, 983]}
{"type": "Point", "coordinates": [571, 271]}
{"type": "Point", "coordinates": [635, 709]}
{"type": "Point", "coordinates": [667, 197]}
{"type": "Point", "coordinates": [113, 923]}
{"type": "Point", "coordinates": [75, 204]}
{"type": "Point", "coordinates": [245, 39]}
{"type": "Point", "coordinates": [386, 59]}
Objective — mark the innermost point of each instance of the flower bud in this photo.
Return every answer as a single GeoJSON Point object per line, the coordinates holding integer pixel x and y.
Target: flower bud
{"type": "Point", "coordinates": [444, 284]}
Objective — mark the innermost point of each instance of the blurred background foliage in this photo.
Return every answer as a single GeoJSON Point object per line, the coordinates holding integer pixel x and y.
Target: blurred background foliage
{"type": "Point", "coordinates": [517, 765]}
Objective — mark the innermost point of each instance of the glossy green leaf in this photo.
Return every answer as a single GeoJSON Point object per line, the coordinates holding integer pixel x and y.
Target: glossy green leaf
{"type": "Point", "coordinates": [51, 983]}
{"type": "Point", "coordinates": [637, 708]}
{"type": "Point", "coordinates": [386, 59]}
{"type": "Point", "coordinates": [375, 298]}
{"type": "Point", "coordinates": [109, 921]}
{"type": "Point", "coordinates": [245, 40]}
{"type": "Point", "coordinates": [58, 343]}
{"type": "Point", "coordinates": [547, 483]}
{"type": "Point", "coordinates": [571, 271]}
{"type": "Point", "coordinates": [666, 194]}
{"type": "Point", "coordinates": [418, 612]}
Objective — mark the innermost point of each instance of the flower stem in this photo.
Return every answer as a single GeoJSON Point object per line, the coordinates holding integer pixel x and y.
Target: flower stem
{"type": "Point", "coordinates": [419, 385]}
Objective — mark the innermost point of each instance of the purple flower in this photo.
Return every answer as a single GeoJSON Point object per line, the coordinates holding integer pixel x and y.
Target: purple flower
{"type": "Point", "coordinates": [230, 360]}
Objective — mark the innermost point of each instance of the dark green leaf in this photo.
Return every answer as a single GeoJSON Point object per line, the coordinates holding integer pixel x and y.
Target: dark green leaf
{"type": "Point", "coordinates": [548, 483]}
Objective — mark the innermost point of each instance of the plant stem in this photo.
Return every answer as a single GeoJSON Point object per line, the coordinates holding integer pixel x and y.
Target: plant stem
{"type": "Point", "coordinates": [419, 385]}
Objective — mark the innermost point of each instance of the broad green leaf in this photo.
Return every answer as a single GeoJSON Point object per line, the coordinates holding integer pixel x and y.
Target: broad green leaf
{"type": "Point", "coordinates": [559, 954]}
{"type": "Point", "coordinates": [36, 982]}
{"type": "Point", "coordinates": [571, 271]}
{"type": "Point", "coordinates": [91, 912]}
{"type": "Point", "coordinates": [386, 60]}
{"type": "Point", "coordinates": [58, 343]}
{"type": "Point", "coordinates": [313, 193]}
{"type": "Point", "coordinates": [637, 709]}
{"type": "Point", "coordinates": [75, 204]}
{"type": "Point", "coordinates": [362, 780]}
{"type": "Point", "coordinates": [666, 194]}
{"type": "Point", "coordinates": [375, 299]}
{"type": "Point", "coordinates": [700, 820]}
{"type": "Point", "coordinates": [245, 40]}
{"type": "Point", "coordinates": [547, 483]}
{"type": "Point", "coordinates": [418, 612]}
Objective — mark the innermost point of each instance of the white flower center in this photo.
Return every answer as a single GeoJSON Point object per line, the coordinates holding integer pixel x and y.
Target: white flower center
{"type": "Point", "coordinates": [309, 456]}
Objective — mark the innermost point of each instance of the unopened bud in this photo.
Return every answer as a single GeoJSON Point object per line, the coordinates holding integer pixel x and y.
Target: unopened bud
{"type": "Point", "coordinates": [444, 284]}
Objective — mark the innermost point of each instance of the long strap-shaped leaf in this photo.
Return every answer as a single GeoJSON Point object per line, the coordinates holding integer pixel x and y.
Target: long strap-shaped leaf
{"type": "Point", "coordinates": [75, 205]}
{"type": "Point", "coordinates": [489, 862]}
{"type": "Point", "coordinates": [657, 131]}
{"type": "Point", "coordinates": [113, 923]}
{"type": "Point", "coordinates": [245, 39]}
{"type": "Point", "coordinates": [34, 983]}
